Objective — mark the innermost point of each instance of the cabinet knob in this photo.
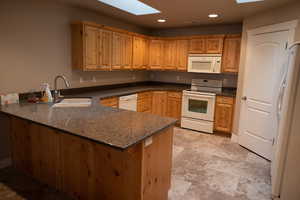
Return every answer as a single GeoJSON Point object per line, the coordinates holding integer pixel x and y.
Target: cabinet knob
{"type": "Point", "coordinates": [244, 98]}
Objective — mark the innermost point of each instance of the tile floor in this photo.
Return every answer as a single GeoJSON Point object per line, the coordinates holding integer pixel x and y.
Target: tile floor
{"type": "Point", "coordinates": [205, 167]}
{"type": "Point", "coordinates": [211, 167]}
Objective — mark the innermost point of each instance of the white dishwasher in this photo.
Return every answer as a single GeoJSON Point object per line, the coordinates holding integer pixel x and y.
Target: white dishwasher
{"type": "Point", "coordinates": [128, 102]}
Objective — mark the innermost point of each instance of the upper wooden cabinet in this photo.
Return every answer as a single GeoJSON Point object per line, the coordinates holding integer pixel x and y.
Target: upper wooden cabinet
{"type": "Point", "coordinates": [231, 54]}
{"type": "Point", "coordinates": [121, 51]}
{"type": "Point", "coordinates": [170, 58]}
{"type": "Point", "coordinates": [182, 54]}
{"type": "Point", "coordinates": [197, 45]}
{"type": "Point", "coordinates": [156, 54]}
{"type": "Point", "coordinates": [91, 41]}
{"type": "Point", "coordinates": [105, 49]}
{"type": "Point", "coordinates": [207, 44]}
{"type": "Point", "coordinates": [224, 110]}
{"type": "Point", "coordinates": [140, 53]}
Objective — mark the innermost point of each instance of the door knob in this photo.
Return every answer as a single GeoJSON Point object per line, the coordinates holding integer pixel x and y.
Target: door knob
{"type": "Point", "coordinates": [244, 98]}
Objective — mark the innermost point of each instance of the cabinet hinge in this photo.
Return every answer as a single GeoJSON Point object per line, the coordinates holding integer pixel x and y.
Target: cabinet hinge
{"type": "Point", "coordinates": [286, 45]}
{"type": "Point", "coordinates": [273, 141]}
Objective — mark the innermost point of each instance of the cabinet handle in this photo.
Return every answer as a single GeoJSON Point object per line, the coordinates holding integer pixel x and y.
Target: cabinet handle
{"type": "Point", "coordinates": [244, 98]}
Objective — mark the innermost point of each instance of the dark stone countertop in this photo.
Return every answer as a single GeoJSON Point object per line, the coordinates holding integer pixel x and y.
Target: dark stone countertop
{"type": "Point", "coordinates": [114, 127]}
{"type": "Point", "coordinates": [127, 90]}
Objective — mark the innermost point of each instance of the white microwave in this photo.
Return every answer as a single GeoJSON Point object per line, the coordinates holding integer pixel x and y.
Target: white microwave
{"type": "Point", "coordinates": [204, 63]}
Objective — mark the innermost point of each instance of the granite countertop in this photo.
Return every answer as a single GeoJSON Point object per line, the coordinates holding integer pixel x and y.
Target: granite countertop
{"type": "Point", "coordinates": [127, 90]}
{"type": "Point", "coordinates": [114, 127]}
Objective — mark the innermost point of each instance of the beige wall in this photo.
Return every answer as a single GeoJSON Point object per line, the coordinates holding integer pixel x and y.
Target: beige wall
{"type": "Point", "coordinates": [274, 16]}
{"type": "Point", "coordinates": [35, 45]}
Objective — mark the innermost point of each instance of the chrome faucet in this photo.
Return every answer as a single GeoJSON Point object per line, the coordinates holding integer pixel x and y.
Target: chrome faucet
{"type": "Point", "coordinates": [56, 91]}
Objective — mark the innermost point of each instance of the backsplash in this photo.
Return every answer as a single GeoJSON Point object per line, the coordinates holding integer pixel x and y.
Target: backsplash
{"type": "Point", "coordinates": [229, 80]}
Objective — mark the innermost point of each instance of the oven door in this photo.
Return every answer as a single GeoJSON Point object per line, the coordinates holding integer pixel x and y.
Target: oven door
{"type": "Point", "coordinates": [199, 106]}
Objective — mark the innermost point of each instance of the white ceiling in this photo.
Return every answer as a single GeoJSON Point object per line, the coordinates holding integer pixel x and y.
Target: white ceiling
{"type": "Point", "coordinates": [183, 13]}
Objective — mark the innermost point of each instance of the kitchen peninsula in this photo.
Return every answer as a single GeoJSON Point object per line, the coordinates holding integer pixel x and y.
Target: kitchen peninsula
{"type": "Point", "coordinates": [94, 152]}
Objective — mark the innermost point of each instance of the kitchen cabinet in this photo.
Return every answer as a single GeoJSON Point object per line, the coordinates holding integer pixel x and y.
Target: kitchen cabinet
{"type": "Point", "coordinates": [144, 102]}
{"type": "Point", "coordinates": [156, 54]}
{"type": "Point", "coordinates": [105, 50]}
{"type": "Point", "coordinates": [91, 48]}
{"type": "Point", "coordinates": [110, 102]}
{"type": "Point", "coordinates": [121, 51]}
{"type": "Point", "coordinates": [182, 55]}
{"type": "Point", "coordinates": [231, 54]}
{"type": "Point", "coordinates": [170, 58]}
{"type": "Point", "coordinates": [207, 44]}
{"type": "Point", "coordinates": [140, 53]}
{"type": "Point", "coordinates": [174, 105]}
{"type": "Point", "coordinates": [159, 103]}
{"type": "Point", "coordinates": [224, 110]}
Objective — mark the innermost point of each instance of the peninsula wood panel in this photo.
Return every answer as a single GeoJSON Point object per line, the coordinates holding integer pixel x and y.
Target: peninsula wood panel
{"type": "Point", "coordinates": [224, 114]}
{"type": "Point", "coordinates": [159, 103]}
{"type": "Point", "coordinates": [85, 169]}
{"type": "Point", "coordinates": [231, 54]}
{"type": "Point", "coordinates": [182, 55]}
{"type": "Point", "coordinates": [157, 171]}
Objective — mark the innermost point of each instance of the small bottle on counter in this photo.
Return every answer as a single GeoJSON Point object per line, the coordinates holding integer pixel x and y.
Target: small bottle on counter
{"type": "Point", "coordinates": [46, 93]}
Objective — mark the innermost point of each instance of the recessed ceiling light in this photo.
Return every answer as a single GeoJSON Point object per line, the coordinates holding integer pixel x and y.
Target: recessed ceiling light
{"type": "Point", "coordinates": [132, 6]}
{"type": "Point", "coordinates": [247, 1]}
{"type": "Point", "coordinates": [213, 15]}
{"type": "Point", "coordinates": [161, 20]}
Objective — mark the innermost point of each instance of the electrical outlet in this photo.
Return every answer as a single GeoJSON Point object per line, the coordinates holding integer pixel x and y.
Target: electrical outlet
{"type": "Point", "coordinates": [94, 80]}
{"type": "Point", "coordinates": [133, 77]}
{"type": "Point", "coordinates": [177, 78]}
{"type": "Point", "coordinates": [81, 80]}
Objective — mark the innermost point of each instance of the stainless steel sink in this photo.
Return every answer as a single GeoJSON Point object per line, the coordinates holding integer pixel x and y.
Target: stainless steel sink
{"type": "Point", "coordinates": [73, 102]}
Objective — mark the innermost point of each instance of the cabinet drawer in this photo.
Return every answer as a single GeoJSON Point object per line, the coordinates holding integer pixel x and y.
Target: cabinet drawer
{"type": "Point", "coordinates": [143, 95]}
{"type": "Point", "coordinates": [225, 100]}
{"type": "Point", "coordinates": [175, 95]}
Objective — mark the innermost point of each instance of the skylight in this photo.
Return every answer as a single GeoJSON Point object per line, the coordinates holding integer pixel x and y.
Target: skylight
{"type": "Point", "coordinates": [132, 6]}
{"type": "Point", "coordinates": [247, 1]}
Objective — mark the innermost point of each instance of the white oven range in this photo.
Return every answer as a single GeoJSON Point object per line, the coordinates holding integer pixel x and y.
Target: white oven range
{"type": "Point", "coordinates": [198, 105]}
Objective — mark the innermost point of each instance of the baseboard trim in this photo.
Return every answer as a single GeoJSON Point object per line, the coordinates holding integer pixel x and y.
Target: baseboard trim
{"type": "Point", "coordinates": [234, 138]}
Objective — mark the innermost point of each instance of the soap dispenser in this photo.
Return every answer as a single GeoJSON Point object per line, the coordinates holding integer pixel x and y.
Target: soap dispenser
{"type": "Point", "coordinates": [46, 93]}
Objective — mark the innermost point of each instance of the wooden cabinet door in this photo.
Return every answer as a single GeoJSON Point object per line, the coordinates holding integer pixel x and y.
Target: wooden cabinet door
{"type": "Point", "coordinates": [144, 103]}
{"type": "Point", "coordinates": [231, 54]}
{"type": "Point", "coordinates": [127, 51]}
{"type": "Point", "coordinates": [91, 35]}
{"type": "Point", "coordinates": [105, 50]}
{"type": "Point", "coordinates": [214, 45]}
{"type": "Point", "coordinates": [224, 114]}
{"type": "Point", "coordinates": [110, 102]}
{"type": "Point", "coordinates": [197, 45]}
{"type": "Point", "coordinates": [117, 50]}
{"type": "Point", "coordinates": [159, 103]}
{"type": "Point", "coordinates": [139, 53]}
{"type": "Point", "coordinates": [182, 55]}
{"type": "Point", "coordinates": [156, 54]}
{"type": "Point", "coordinates": [174, 105]}
{"type": "Point", "coordinates": [170, 58]}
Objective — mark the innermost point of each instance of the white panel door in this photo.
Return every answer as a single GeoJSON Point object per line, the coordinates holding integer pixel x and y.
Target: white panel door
{"type": "Point", "coordinates": [266, 55]}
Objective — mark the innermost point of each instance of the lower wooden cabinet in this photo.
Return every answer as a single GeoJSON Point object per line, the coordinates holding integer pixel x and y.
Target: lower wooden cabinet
{"type": "Point", "coordinates": [174, 105]}
{"type": "Point", "coordinates": [110, 102]}
{"type": "Point", "coordinates": [159, 103]}
{"type": "Point", "coordinates": [144, 102]}
{"type": "Point", "coordinates": [224, 114]}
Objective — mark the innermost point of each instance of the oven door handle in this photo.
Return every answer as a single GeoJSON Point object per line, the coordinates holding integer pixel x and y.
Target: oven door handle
{"type": "Point", "coordinates": [200, 95]}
